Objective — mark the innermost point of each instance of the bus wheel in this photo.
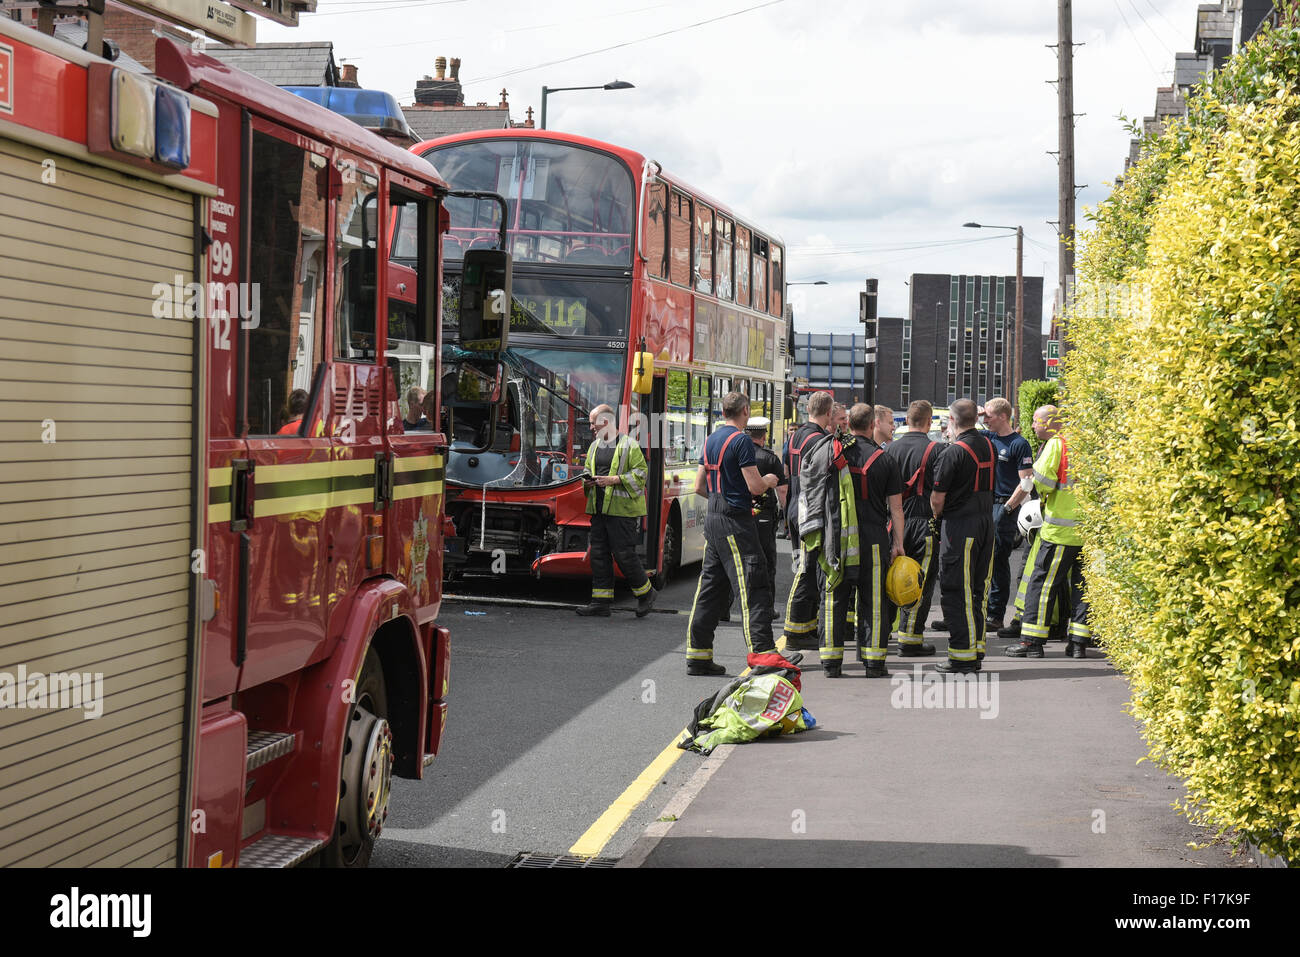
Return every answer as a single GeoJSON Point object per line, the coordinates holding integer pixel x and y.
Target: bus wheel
{"type": "Point", "coordinates": [672, 548]}
{"type": "Point", "coordinates": [367, 774]}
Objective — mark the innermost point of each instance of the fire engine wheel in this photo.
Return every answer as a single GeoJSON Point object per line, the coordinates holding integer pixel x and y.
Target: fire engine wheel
{"type": "Point", "coordinates": [367, 774]}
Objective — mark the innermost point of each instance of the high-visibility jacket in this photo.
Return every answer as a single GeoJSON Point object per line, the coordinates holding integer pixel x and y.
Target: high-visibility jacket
{"type": "Point", "coordinates": [1054, 484]}
{"type": "Point", "coordinates": [628, 497]}
{"type": "Point", "coordinates": [828, 511]}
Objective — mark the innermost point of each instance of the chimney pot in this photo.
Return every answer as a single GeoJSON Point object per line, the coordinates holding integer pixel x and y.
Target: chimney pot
{"type": "Point", "coordinates": [440, 67]}
{"type": "Point", "coordinates": [455, 68]}
{"type": "Point", "coordinates": [349, 75]}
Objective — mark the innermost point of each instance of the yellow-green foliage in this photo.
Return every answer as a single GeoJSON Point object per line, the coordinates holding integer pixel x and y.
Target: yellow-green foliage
{"type": "Point", "coordinates": [1034, 394]}
{"type": "Point", "coordinates": [1183, 398]}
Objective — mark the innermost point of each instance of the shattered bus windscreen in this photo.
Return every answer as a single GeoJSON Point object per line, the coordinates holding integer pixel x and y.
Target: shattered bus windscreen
{"type": "Point", "coordinates": [543, 433]}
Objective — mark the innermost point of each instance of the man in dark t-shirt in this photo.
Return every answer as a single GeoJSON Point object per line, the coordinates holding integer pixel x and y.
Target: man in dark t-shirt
{"type": "Point", "coordinates": [1015, 461]}
{"type": "Point", "coordinates": [917, 457]}
{"type": "Point", "coordinates": [962, 501]}
{"type": "Point", "coordinates": [765, 507]}
{"type": "Point", "coordinates": [733, 559]}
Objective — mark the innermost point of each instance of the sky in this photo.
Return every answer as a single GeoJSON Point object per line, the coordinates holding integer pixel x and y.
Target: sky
{"type": "Point", "coordinates": [862, 133]}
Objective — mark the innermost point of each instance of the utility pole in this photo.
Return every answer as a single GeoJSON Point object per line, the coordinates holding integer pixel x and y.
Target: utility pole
{"type": "Point", "coordinates": [868, 310]}
{"type": "Point", "coordinates": [1065, 140]}
{"type": "Point", "coordinates": [1018, 366]}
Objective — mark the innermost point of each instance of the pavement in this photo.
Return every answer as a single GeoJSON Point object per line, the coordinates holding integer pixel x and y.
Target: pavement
{"type": "Point", "coordinates": [553, 718]}
{"type": "Point", "coordinates": [1039, 767]}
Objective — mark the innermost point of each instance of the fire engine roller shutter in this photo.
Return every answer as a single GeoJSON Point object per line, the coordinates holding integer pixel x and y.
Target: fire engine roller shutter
{"type": "Point", "coordinates": [95, 526]}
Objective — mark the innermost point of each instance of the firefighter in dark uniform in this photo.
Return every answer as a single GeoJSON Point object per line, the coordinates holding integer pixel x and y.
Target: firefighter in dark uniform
{"type": "Point", "coordinates": [765, 506]}
{"type": "Point", "coordinates": [802, 606]}
{"type": "Point", "coordinates": [962, 501]}
{"type": "Point", "coordinates": [916, 457]}
{"type": "Point", "coordinates": [877, 493]}
{"type": "Point", "coordinates": [733, 558]}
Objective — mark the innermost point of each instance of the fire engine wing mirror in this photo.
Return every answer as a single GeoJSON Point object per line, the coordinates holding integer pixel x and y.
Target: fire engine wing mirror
{"type": "Point", "coordinates": [493, 197]}
{"type": "Point", "coordinates": [485, 302]}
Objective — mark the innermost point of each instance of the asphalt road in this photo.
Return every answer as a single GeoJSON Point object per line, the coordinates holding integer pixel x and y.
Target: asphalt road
{"type": "Point", "coordinates": [551, 716]}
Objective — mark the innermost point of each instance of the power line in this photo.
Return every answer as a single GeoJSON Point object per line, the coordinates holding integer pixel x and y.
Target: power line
{"type": "Point", "coordinates": [1133, 33]}
{"type": "Point", "coordinates": [1149, 27]}
{"type": "Point", "coordinates": [627, 43]}
{"type": "Point", "coordinates": [1160, 15]}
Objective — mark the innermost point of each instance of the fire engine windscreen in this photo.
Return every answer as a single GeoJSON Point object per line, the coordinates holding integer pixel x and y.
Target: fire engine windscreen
{"type": "Point", "coordinates": [542, 431]}
{"type": "Point", "coordinates": [566, 204]}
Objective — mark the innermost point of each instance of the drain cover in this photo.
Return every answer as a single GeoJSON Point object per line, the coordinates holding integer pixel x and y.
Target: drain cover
{"type": "Point", "coordinates": [529, 859]}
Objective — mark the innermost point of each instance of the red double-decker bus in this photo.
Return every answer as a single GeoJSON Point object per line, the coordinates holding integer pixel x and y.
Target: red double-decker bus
{"type": "Point", "coordinates": [612, 256]}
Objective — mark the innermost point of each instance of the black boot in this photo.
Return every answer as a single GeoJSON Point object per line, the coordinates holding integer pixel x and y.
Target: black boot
{"type": "Point", "coordinates": [922, 650]}
{"type": "Point", "coordinates": [939, 625]}
{"type": "Point", "coordinates": [646, 602]}
{"type": "Point", "coordinates": [1025, 649]}
{"type": "Point", "coordinates": [875, 669]}
{"type": "Point", "coordinates": [1011, 631]}
{"type": "Point", "coordinates": [597, 609]}
{"type": "Point", "coordinates": [950, 667]}
{"type": "Point", "coordinates": [832, 669]}
{"type": "Point", "coordinates": [708, 669]}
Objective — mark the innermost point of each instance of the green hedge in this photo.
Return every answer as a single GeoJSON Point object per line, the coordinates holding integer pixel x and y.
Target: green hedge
{"type": "Point", "coordinates": [1184, 394]}
{"type": "Point", "coordinates": [1034, 394]}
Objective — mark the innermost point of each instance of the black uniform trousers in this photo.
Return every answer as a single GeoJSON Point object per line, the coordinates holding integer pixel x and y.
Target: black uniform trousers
{"type": "Point", "coordinates": [923, 548]}
{"type": "Point", "coordinates": [875, 612]}
{"type": "Point", "coordinates": [614, 539]}
{"type": "Point", "coordinates": [1006, 536]}
{"type": "Point", "coordinates": [733, 565]}
{"type": "Point", "coordinates": [965, 566]}
{"type": "Point", "coordinates": [1056, 568]}
{"type": "Point", "coordinates": [767, 539]}
{"type": "Point", "coordinates": [804, 603]}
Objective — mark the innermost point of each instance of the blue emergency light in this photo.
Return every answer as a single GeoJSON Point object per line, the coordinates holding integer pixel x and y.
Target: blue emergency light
{"type": "Point", "coordinates": [374, 110]}
{"type": "Point", "coordinates": [172, 128]}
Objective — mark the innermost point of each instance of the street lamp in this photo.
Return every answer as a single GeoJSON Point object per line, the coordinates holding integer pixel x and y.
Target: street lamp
{"type": "Point", "coordinates": [1020, 303]}
{"type": "Point", "coordinates": [612, 85]}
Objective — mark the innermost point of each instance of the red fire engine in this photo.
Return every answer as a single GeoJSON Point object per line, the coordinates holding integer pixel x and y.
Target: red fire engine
{"type": "Point", "coordinates": [220, 549]}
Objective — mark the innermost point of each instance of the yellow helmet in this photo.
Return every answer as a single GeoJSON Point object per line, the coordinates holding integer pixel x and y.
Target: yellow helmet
{"type": "Point", "coordinates": [903, 581]}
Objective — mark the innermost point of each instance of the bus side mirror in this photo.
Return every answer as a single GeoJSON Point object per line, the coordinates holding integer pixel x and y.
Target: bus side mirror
{"type": "Point", "coordinates": [485, 301]}
{"type": "Point", "coordinates": [643, 373]}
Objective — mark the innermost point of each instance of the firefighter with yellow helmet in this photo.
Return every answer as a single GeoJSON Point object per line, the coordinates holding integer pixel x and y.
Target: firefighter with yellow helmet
{"type": "Point", "coordinates": [877, 492]}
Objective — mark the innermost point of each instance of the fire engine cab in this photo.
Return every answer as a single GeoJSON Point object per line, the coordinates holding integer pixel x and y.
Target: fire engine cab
{"type": "Point", "coordinates": [220, 547]}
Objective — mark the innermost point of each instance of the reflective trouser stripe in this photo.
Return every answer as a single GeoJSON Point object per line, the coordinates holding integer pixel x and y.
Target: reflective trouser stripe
{"type": "Point", "coordinates": [966, 654]}
{"type": "Point", "coordinates": [988, 583]}
{"type": "Point", "coordinates": [693, 653]}
{"type": "Point", "coordinates": [1038, 628]}
{"type": "Point", "coordinates": [642, 590]}
{"type": "Point", "coordinates": [744, 592]}
{"type": "Point", "coordinates": [909, 627]}
{"type": "Point", "coordinates": [1080, 631]}
{"type": "Point", "coordinates": [879, 637]}
{"type": "Point", "coordinates": [602, 594]}
{"type": "Point", "coordinates": [1028, 572]}
{"type": "Point", "coordinates": [832, 645]}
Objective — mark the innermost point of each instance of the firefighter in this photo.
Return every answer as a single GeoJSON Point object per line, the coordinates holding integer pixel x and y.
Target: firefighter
{"type": "Point", "coordinates": [962, 502]}
{"type": "Point", "coordinates": [916, 456]}
{"type": "Point", "coordinates": [877, 497]}
{"type": "Point", "coordinates": [1014, 461]}
{"type": "Point", "coordinates": [1059, 554]}
{"type": "Point", "coordinates": [805, 592]}
{"type": "Point", "coordinates": [733, 558]}
{"type": "Point", "coordinates": [615, 485]}
{"type": "Point", "coordinates": [765, 508]}
{"type": "Point", "coordinates": [882, 430]}
{"type": "Point", "coordinates": [297, 406]}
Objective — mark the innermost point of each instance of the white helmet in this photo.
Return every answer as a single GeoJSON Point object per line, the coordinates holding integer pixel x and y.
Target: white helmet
{"type": "Point", "coordinates": [1030, 517]}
